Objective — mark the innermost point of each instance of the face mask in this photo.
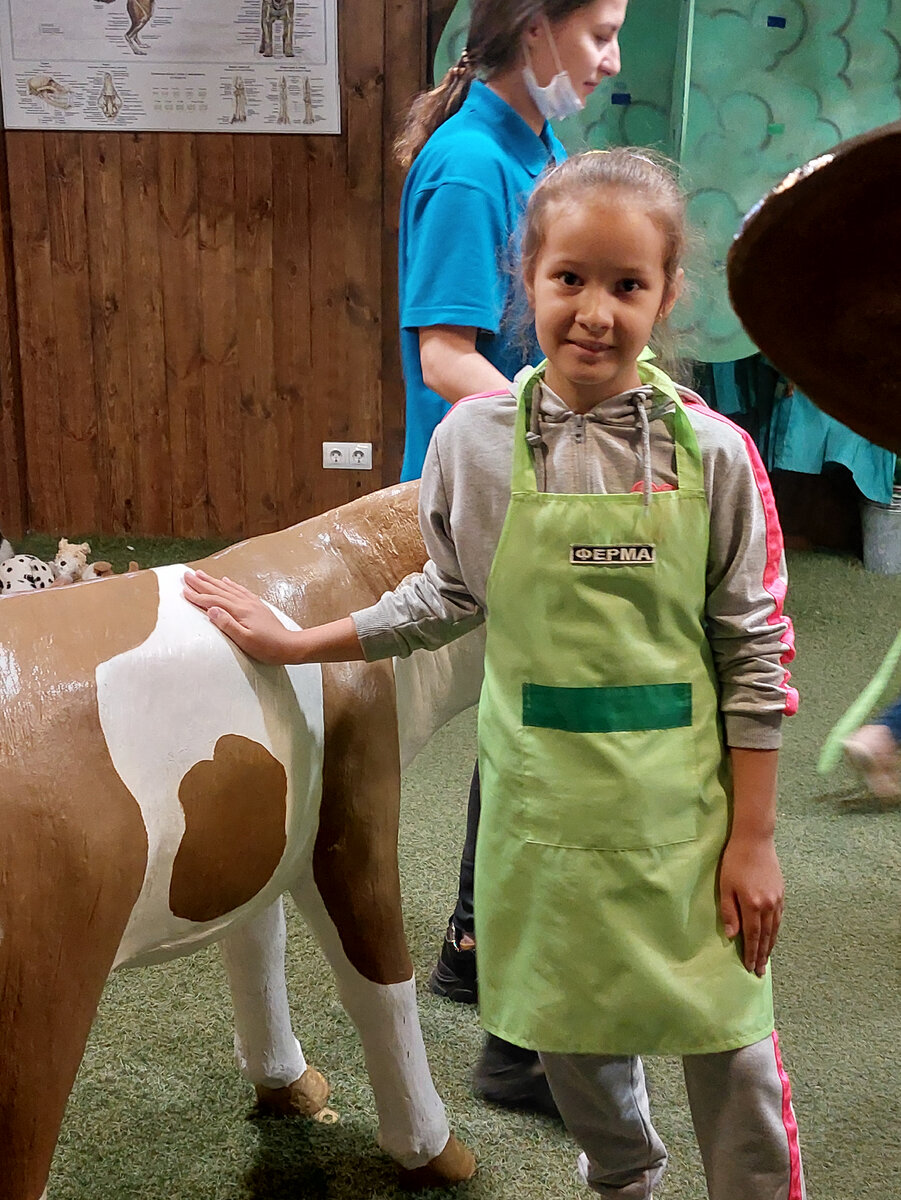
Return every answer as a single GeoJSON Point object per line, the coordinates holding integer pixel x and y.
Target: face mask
{"type": "Point", "coordinates": [559, 99]}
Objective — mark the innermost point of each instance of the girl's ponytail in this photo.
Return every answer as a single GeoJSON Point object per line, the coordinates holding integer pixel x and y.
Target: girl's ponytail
{"type": "Point", "coordinates": [431, 109]}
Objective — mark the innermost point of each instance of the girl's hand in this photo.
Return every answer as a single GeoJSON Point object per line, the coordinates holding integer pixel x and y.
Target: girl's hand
{"type": "Point", "coordinates": [241, 615]}
{"type": "Point", "coordinates": [752, 894]}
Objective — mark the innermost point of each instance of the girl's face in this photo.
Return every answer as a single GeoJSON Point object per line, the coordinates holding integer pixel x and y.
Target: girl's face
{"type": "Point", "coordinates": [587, 44]}
{"type": "Point", "coordinates": [597, 290]}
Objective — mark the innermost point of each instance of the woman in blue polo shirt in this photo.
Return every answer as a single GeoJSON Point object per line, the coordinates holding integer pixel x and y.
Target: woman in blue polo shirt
{"type": "Point", "coordinates": [475, 146]}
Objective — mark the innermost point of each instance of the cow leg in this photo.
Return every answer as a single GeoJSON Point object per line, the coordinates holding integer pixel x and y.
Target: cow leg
{"type": "Point", "coordinates": [351, 899]}
{"type": "Point", "coordinates": [266, 1050]}
{"type": "Point", "coordinates": [68, 882]}
{"type": "Point", "coordinates": [51, 990]}
{"type": "Point", "coordinates": [413, 1125]}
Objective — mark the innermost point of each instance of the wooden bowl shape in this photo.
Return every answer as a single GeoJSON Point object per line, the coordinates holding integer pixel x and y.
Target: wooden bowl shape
{"type": "Point", "coordinates": [815, 278]}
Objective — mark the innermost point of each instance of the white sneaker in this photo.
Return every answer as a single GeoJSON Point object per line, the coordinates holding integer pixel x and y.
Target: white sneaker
{"type": "Point", "coordinates": [873, 752]}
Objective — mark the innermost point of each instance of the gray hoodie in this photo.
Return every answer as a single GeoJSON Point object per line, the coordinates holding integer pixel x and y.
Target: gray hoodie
{"type": "Point", "coordinates": [464, 495]}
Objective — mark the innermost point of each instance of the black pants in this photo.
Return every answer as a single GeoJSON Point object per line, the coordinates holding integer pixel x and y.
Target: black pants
{"type": "Point", "coordinates": [464, 916]}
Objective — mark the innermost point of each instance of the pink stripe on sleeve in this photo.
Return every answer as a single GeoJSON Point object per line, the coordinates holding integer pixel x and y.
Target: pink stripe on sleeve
{"type": "Point", "coordinates": [771, 580]}
{"type": "Point", "coordinates": [795, 1190]}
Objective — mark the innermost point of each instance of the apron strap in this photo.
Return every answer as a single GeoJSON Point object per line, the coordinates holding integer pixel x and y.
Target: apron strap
{"type": "Point", "coordinates": [689, 467]}
{"type": "Point", "coordinates": [523, 478]}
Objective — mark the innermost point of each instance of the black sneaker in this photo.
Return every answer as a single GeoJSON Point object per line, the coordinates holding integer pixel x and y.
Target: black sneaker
{"type": "Point", "coordinates": [513, 1077]}
{"type": "Point", "coordinates": [454, 975]}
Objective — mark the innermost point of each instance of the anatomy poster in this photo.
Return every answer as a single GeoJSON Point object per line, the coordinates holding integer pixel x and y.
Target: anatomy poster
{"type": "Point", "coordinates": [239, 66]}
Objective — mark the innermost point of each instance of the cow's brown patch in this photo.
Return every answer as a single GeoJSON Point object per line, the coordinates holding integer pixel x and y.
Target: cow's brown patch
{"type": "Point", "coordinates": [315, 572]}
{"type": "Point", "coordinates": [234, 806]}
{"type": "Point", "coordinates": [333, 564]}
{"type": "Point", "coordinates": [73, 849]}
{"type": "Point", "coordinates": [355, 856]}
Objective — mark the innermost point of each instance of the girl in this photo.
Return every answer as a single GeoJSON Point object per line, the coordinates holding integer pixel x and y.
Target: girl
{"type": "Point", "coordinates": [621, 543]}
{"type": "Point", "coordinates": [474, 146]}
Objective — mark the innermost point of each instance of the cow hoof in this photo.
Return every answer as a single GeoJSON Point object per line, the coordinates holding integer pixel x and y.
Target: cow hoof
{"type": "Point", "coordinates": [305, 1097]}
{"type": "Point", "coordinates": [453, 1165]}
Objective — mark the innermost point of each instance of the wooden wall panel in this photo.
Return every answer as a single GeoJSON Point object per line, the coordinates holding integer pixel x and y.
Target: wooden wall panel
{"type": "Point", "coordinates": [70, 311]}
{"type": "Point", "coordinates": [256, 330]}
{"type": "Point", "coordinates": [13, 479]}
{"type": "Point", "coordinates": [142, 290]}
{"type": "Point", "coordinates": [29, 210]}
{"type": "Point", "coordinates": [178, 230]}
{"type": "Point", "coordinates": [197, 313]}
{"type": "Point", "coordinates": [291, 306]}
{"type": "Point", "coordinates": [362, 245]}
{"type": "Point", "coordinates": [219, 331]}
{"type": "Point", "coordinates": [107, 235]}
{"type": "Point", "coordinates": [406, 77]}
{"type": "Point", "coordinates": [329, 417]}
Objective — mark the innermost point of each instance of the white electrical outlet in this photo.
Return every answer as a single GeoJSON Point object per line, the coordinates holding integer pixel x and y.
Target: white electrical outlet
{"type": "Point", "coordinates": [347, 456]}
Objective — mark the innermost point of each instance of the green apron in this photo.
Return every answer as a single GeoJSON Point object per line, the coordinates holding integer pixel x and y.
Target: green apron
{"type": "Point", "coordinates": [605, 783]}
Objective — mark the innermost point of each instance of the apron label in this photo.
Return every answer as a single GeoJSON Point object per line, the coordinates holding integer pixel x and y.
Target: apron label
{"type": "Point", "coordinates": [630, 555]}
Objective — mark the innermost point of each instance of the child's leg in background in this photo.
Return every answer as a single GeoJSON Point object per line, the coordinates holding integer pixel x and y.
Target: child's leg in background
{"type": "Point", "coordinates": [505, 1074]}
{"type": "Point", "coordinates": [604, 1103]}
{"type": "Point", "coordinates": [454, 975]}
{"type": "Point", "coordinates": [873, 750]}
{"type": "Point", "coordinates": [745, 1125]}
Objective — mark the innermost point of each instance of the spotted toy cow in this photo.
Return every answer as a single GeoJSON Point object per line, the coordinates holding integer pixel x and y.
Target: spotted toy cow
{"type": "Point", "coordinates": [203, 787]}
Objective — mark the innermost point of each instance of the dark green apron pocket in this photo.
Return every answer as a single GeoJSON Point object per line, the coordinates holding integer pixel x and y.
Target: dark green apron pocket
{"type": "Point", "coordinates": [607, 709]}
{"type": "Point", "coordinates": [609, 768]}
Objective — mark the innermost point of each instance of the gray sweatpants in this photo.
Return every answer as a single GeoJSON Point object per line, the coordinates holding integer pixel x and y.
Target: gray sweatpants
{"type": "Point", "coordinates": [741, 1110]}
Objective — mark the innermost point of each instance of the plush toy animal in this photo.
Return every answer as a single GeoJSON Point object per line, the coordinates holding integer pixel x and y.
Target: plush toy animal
{"type": "Point", "coordinates": [71, 563]}
{"type": "Point", "coordinates": [71, 560]}
{"type": "Point", "coordinates": [24, 573]}
{"type": "Point", "coordinates": [200, 786]}
{"type": "Point", "coordinates": [101, 569]}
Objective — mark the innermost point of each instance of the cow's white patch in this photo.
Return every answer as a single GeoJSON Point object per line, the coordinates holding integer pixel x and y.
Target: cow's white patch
{"type": "Point", "coordinates": [266, 1050]}
{"type": "Point", "coordinates": [433, 686]}
{"type": "Point", "coordinates": [163, 706]}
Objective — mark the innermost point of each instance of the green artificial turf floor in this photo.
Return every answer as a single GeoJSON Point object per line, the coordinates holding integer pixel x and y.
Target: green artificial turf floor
{"type": "Point", "coordinates": [158, 1111]}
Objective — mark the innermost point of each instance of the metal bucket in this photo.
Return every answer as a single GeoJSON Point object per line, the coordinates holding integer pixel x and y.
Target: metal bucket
{"type": "Point", "coordinates": [881, 524]}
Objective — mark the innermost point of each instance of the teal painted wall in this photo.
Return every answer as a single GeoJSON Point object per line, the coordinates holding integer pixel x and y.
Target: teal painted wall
{"type": "Point", "coordinates": [761, 99]}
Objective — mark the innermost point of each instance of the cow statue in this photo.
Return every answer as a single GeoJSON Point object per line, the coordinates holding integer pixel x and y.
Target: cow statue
{"type": "Point", "coordinates": [201, 786]}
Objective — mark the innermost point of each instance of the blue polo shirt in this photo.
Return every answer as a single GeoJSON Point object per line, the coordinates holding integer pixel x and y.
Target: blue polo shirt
{"type": "Point", "coordinates": [459, 215]}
